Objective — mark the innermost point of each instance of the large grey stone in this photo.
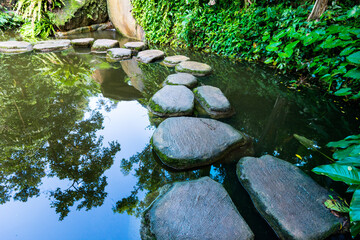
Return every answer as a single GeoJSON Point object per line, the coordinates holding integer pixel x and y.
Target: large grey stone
{"type": "Point", "coordinates": [290, 201]}
{"type": "Point", "coordinates": [52, 45]}
{"type": "Point", "coordinates": [82, 42]}
{"type": "Point", "coordinates": [117, 54]}
{"type": "Point", "coordinates": [195, 68]}
{"type": "Point", "coordinates": [188, 142]}
{"type": "Point", "coordinates": [135, 46]}
{"type": "Point", "coordinates": [213, 101]}
{"type": "Point", "coordinates": [172, 101]}
{"type": "Point", "coordinates": [15, 47]}
{"type": "Point", "coordinates": [149, 56]}
{"type": "Point", "coordinates": [102, 45]}
{"type": "Point", "coordinates": [185, 79]}
{"type": "Point", "coordinates": [194, 210]}
{"type": "Point", "coordinates": [171, 61]}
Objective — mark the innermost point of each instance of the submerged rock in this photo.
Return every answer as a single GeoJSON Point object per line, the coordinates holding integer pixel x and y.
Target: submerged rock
{"type": "Point", "coordinates": [52, 45]}
{"type": "Point", "coordinates": [185, 79]}
{"type": "Point", "coordinates": [102, 45]}
{"type": "Point", "coordinates": [135, 46]}
{"type": "Point", "coordinates": [82, 42]}
{"type": "Point", "coordinates": [213, 101]}
{"type": "Point", "coordinates": [195, 68]}
{"type": "Point", "coordinates": [117, 54]}
{"type": "Point", "coordinates": [172, 101]}
{"type": "Point", "coordinates": [149, 56]}
{"type": "Point", "coordinates": [199, 209]}
{"type": "Point", "coordinates": [171, 61]}
{"type": "Point", "coordinates": [290, 201]}
{"type": "Point", "coordinates": [15, 47]}
{"type": "Point", "coordinates": [187, 142]}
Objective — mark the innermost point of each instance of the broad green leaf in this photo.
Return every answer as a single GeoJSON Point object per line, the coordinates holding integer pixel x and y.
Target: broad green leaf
{"type": "Point", "coordinates": [347, 51]}
{"type": "Point", "coordinates": [354, 58]}
{"type": "Point", "coordinates": [352, 188]}
{"type": "Point", "coordinates": [347, 174]}
{"type": "Point", "coordinates": [353, 137]}
{"type": "Point", "coordinates": [352, 161]}
{"type": "Point", "coordinates": [279, 35]}
{"type": "Point", "coordinates": [344, 36]}
{"type": "Point", "coordinates": [352, 151]}
{"type": "Point", "coordinates": [343, 143]}
{"type": "Point", "coordinates": [357, 96]}
{"type": "Point", "coordinates": [289, 49]}
{"type": "Point", "coordinates": [273, 46]}
{"type": "Point", "coordinates": [283, 55]}
{"type": "Point", "coordinates": [333, 42]}
{"type": "Point", "coordinates": [355, 229]}
{"type": "Point", "coordinates": [335, 28]}
{"type": "Point", "coordinates": [269, 60]}
{"type": "Point", "coordinates": [355, 206]}
{"type": "Point", "coordinates": [353, 73]}
{"type": "Point", "coordinates": [343, 92]}
{"type": "Point", "coordinates": [354, 12]}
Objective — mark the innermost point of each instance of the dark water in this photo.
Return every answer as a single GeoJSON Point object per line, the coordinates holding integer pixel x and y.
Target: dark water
{"type": "Point", "coordinates": [75, 159]}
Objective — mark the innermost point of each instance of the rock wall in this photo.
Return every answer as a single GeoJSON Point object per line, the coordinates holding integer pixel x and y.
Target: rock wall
{"type": "Point", "coordinates": [120, 15]}
{"type": "Point", "coordinates": [81, 13]}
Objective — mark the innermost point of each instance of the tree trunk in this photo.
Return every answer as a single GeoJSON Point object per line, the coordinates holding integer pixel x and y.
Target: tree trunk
{"type": "Point", "coordinates": [318, 9]}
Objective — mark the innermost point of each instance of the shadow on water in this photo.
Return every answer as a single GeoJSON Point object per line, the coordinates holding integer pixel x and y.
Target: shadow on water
{"type": "Point", "coordinates": [49, 129]}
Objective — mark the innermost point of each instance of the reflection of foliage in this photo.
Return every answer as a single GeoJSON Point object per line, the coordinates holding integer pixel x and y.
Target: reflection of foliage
{"type": "Point", "coordinates": [151, 176]}
{"type": "Point", "coordinates": [43, 127]}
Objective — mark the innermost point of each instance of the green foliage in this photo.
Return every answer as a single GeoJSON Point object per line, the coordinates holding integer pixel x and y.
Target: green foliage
{"type": "Point", "coordinates": [345, 169]}
{"type": "Point", "coordinates": [279, 35]}
{"type": "Point", "coordinates": [8, 21]}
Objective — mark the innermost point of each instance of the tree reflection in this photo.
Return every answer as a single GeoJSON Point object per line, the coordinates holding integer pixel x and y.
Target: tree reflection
{"type": "Point", "coordinates": [44, 131]}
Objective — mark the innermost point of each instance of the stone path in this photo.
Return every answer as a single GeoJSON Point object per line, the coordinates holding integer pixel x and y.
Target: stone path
{"type": "Point", "coordinates": [15, 47]}
{"type": "Point", "coordinates": [135, 46]}
{"type": "Point", "coordinates": [52, 45]}
{"type": "Point", "coordinates": [117, 54]}
{"type": "Point", "coordinates": [188, 142]}
{"type": "Point", "coordinates": [82, 42]}
{"type": "Point", "coordinates": [185, 79]}
{"type": "Point", "coordinates": [290, 201]}
{"type": "Point", "coordinates": [172, 101]}
{"type": "Point", "coordinates": [102, 45]}
{"type": "Point", "coordinates": [194, 68]}
{"type": "Point", "coordinates": [172, 61]}
{"type": "Point", "coordinates": [199, 209]}
{"type": "Point", "coordinates": [149, 56]}
{"type": "Point", "coordinates": [213, 101]}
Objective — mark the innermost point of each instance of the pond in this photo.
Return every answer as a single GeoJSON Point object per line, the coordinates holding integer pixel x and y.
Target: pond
{"type": "Point", "coordinates": [76, 162]}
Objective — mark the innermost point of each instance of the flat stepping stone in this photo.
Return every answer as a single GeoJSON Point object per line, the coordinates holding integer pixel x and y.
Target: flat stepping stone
{"type": "Point", "coordinates": [52, 45]}
{"type": "Point", "coordinates": [82, 42]}
{"type": "Point", "coordinates": [185, 79]}
{"type": "Point", "coordinates": [172, 61]}
{"type": "Point", "coordinates": [199, 209]}
{"type": "Point", "coordinates": [149, 56]}
{"type": "Point", "coordinates": [290, 201]}
{"type": "Point", "coordinates": [171, 101]}
{"type": "Point", "coordinates": [194, 68]}
{"type": "Point", "coordinates": [102, 45]}
{"type": "Point", "coordinates": [15, 47]}
{"type": "Point", "coordinates": [135, 46]}
{"type": "Point", "coordinates": [117, 54]}
{"type": "Point", "coordinates": [213, 101]}
{"type": "Point", "coordinates": [188, 142]}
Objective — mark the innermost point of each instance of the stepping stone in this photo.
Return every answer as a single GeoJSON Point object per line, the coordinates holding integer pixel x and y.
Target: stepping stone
{"type": "Point", "coordinates": [188, 142]}
{"type": "Point", "coordinates": [290, 201]}
{"type": "Point", "coordinates": [135, 46]}
{"type": "Point", "coordinates": [82, 42]}
{"type": "Point", "coordinates": [149, 56]}
{"type": "Point", "coordinates": [171, 101]}
{"type": "Point", "coordinates": [213, 101]}
{"type": "Point", "coordinates": [195, 68]}
{"type": "Point", "coordinates": [15, 47]}
{"type": "Point", "coordinates": [199, 209]}
{"type": "Point", "coordinates": [173, 60]}
{"type": "Point", "coordinates": [117, 54]}
{"type": "Point", "coordinates": [102, 45]}
{"type": "Point", "coordinates": [185, 79]}
{"type": "Point", "coordinates": [52, 45]}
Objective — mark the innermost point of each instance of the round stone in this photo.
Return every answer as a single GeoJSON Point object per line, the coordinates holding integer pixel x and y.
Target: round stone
{"type": "Point", "coordinates": [52, 45]}
{"type": "Point", "coordinates": [198, 209]}
{"type": "Point", "coordinates": [188, 142]}
{"type": "Point", "coordinates": [171, 61]}
{"type": "Point", "coordinates": [213, 101]}
{"type": "Point", "coordinates": [194, 68]}
{"type": "Point", "coordinates": [117, 54]}
{"type": "Point", "coordinates": [148, 56]}
{"type": "Point", "coordinates": [185, 79]}
{"type": "Point", "coordinates": [137, 46]}
{"type": "Point", "coordinates": [172, 101]}
{"type": "Point", "coordinates": [15, 47]}
{"type": "Point", "coordinates": [82, 42]}
{"type": "Point", "coordinates": [102, 45]}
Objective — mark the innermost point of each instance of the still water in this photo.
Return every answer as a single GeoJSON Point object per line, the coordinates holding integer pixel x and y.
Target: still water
{"type": "Point", "coordinates": [75, 159]}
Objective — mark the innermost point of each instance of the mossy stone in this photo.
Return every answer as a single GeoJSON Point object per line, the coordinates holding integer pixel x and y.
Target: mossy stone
{"type": "Point", "coordinates": [194, 68]}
